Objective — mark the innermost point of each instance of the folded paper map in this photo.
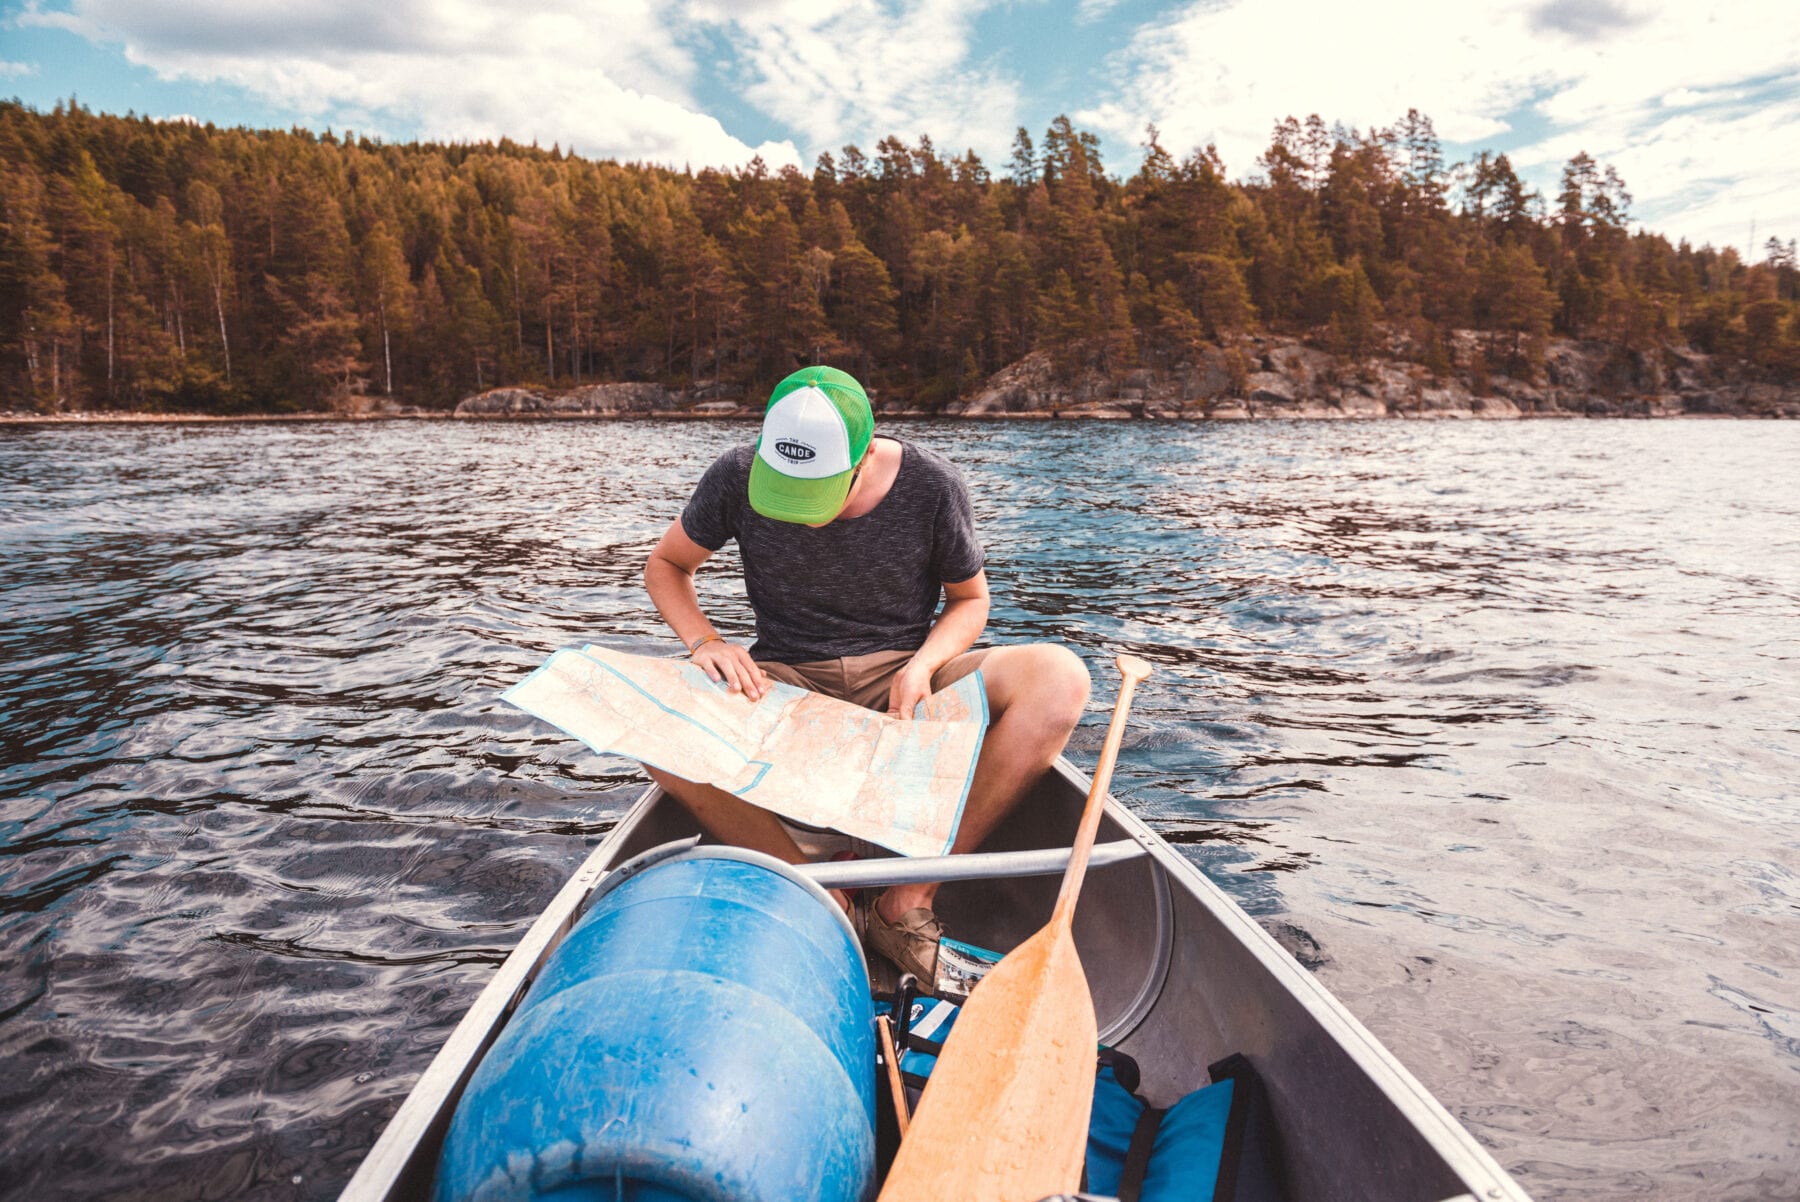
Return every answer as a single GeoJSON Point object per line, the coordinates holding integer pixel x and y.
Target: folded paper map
{"type": "Point", "coordinates": [805, 756]}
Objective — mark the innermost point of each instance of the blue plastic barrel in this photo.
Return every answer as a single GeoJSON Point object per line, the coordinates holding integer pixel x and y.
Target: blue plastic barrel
{"type": "Point", "coordinates": [704, 1033]}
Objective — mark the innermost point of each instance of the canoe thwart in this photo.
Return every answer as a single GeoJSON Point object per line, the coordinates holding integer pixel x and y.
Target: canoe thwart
{"type": "Point", "coordinates": [974, 866]}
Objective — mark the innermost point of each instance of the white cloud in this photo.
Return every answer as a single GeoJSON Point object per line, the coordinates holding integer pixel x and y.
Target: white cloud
{"type": "Point", "coordinates": [1583, 18]}
{"type": "Point", "coordinates": [1226, 74]}
{"type": "Point", "coordinates": [617, 77]}
{"type": "Point", "coordinates": [859, 70]}
{"type": "Point", "coordinates": [1089, 11]}
{"type": "Point", "coordinates": [1698, 106]}
{"type": "Point", "coordinates": [1673, 95]}
{"type": "Point", "coordinates": [610, 78]}
{"type": "Point", "coordinates": [16, 70]}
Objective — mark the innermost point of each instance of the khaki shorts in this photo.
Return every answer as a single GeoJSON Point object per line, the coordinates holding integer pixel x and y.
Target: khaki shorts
{"type": "Point", "coordinates": [865, 680]}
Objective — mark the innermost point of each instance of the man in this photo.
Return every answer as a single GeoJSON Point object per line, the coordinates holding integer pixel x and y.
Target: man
{"type": "Point", "coordinates": [847, 542]}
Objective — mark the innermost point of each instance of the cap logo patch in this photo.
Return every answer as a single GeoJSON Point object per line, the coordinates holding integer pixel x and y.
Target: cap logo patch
{"type": "Point", "coordinates": [795, 451]}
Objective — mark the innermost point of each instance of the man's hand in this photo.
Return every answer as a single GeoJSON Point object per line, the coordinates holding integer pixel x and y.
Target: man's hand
{"type": "Point", "coordinates": [912, 684]}
{"type": "Point", "coordinates": [732, 664]}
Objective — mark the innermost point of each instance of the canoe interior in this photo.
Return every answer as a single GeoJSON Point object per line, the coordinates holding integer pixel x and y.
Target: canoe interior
{"type": "Point", "coordinates": [1181, 977]}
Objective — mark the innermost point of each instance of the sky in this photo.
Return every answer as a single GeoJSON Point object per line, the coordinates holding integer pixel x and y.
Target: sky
{"type": "Point", "coordinates": [1696, 105]}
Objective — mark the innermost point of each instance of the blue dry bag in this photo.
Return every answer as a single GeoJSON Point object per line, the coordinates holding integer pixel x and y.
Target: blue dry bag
{"type": "Point", "coordinates": [1214, 1145]}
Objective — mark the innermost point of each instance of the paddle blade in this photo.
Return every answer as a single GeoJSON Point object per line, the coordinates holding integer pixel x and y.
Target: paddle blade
{"type": "Point", "coordinates": [1005, 1116]}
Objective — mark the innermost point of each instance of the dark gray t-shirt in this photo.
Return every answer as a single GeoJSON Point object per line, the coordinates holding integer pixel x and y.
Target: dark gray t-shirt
{"type": "Point", "coordinates": [852, 587]}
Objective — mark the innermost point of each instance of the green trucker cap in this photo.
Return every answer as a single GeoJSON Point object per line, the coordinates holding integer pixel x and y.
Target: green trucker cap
{"type": "Point", "coordinates": [815, 430]}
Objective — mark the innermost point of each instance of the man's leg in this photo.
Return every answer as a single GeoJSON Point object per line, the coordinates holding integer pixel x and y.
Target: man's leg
{"type": "Point", "coordinates": [730, 819]}
{"type": "Point", "coordinates": [1036, 694]}
{"type": "Point", "coordinates": [734, 821]}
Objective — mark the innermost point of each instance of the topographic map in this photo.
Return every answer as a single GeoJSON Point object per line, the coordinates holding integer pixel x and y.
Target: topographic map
{"type": "Point", "coordinates": [805, 756]}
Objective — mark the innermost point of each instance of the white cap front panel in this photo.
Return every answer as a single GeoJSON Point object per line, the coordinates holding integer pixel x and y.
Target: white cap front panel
{"type": "Point", "coordinates": [804, 436]}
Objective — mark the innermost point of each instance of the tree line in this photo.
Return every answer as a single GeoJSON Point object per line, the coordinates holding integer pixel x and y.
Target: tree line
{"type": "Point", "coordinates": [176, 266]}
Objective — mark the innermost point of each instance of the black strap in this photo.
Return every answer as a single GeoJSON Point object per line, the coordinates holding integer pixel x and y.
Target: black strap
{"type": "Point", "coordinates": [1125, 1069]}
{"type": "Point", "coordinates": [1250, 1168]}
{"type": "Point", "coordinates": [904, 994]}
{"type": "Point", "coordinates": [1137, 1155]}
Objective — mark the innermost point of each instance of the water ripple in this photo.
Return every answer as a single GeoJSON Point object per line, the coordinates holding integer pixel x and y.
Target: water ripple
{"type": "Point", "coordinates": [1492, 727]}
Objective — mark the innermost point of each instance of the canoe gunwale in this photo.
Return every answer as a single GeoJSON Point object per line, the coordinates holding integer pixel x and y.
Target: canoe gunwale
{"type": "Point", "coordinates": [1480, 1173]}
{"type": "Point", "coordinates": [391, 1166]}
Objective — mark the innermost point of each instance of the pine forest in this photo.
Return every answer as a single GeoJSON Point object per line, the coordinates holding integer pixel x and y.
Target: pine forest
{"type": "Point", "coordinates": [177, 267]}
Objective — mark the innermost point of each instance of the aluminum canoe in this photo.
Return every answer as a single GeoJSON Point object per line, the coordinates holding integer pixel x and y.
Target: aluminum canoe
{"type": "Point", "coordinates": [1181, 977]}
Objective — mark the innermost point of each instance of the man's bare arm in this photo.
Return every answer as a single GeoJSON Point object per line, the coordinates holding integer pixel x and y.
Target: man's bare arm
{"type": "Point", "coordinates": [669, 579]}
{"type": "Point", "coordinates": [958, 625]}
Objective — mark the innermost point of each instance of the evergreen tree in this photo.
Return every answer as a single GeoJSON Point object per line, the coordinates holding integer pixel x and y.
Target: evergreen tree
{"type": "Point", "coordinates": [1352, 309]}
{"type": "Point", "coordinates": [386, 296]}
{"type": "Point", "coordinates": [1514, 305]}
{"type": "Point", "coordinates": [147, 264]}
{"type": "Point", "coordinates": [861, 311]}
{"type": "Point", "coordinates": [35, 317]}
{"type": "Point", "coordinates": [209, 248]}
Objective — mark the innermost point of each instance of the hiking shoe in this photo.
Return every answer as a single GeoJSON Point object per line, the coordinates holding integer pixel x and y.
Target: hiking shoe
{"type": "Point", "coordinates": [911, 942]}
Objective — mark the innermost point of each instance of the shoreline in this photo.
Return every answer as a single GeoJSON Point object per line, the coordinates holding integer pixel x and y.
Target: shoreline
{"type": "Point", "coordinates": [1236, 418]}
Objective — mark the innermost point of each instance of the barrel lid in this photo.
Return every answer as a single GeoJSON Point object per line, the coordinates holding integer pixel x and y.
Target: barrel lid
{"type": "Point", "coordinates": [692, 849]}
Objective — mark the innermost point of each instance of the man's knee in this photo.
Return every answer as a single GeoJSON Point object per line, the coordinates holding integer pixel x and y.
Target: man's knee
{"type": "Point", "coordinates": [680, 788]}
{"type": "Point", "coordinates": [1048, 680]}
{"type": "Point", "coordinates": [1066, 681]}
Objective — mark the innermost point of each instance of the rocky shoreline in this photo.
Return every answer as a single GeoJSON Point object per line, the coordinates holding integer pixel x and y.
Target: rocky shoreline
{"type": "Point", "coordinates": [116, 417]}
{"type": "Point", "coordinates": [1264, 378]}
{"type": "Point", "coordinates": [1256, 378]}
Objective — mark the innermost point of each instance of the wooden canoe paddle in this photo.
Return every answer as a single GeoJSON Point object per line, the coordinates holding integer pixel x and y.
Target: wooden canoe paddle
{"type": "Point", "coordinates": [1005, 1115]}
{"type": "Point", "coordinates": [891, 1053]}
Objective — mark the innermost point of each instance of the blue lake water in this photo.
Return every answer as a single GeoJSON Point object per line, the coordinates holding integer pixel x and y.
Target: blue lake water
{"type": "Point", "coordinates": [1497, 726]}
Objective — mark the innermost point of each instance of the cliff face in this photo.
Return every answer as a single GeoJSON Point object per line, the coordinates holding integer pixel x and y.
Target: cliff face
{"type": "Point", "coordinates": [1282, 378]}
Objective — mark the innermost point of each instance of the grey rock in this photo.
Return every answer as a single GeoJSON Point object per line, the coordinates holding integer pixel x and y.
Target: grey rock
{"type": "Point", "coordinates": [1492, 407]}
{"type": "Point", "coordinates": [1390, 382]}
{"type": "Point", "coordinates": [1566, 366]}
{"type": "Point", "coordinates": [592, 400]}
{"type": "Point", "coordinates": [503, 402]}
{"type": "Point", "coordinates": [716, 392]}
{"type": "Point", "coordinates": [1355, 403]}
{"type": "Point", "coordinates": [1207, 379]}
{"type": "Point", "coordinates": [1269, 388]}
{"type": "Point", "coordinates": [1525, 398]}
{"type": "Point", "coordinates": [1308, 371]}
{"type": "Point", "coordinates": [618, 398]}
{"type": "Point", "coordinates": [1030, 385]}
